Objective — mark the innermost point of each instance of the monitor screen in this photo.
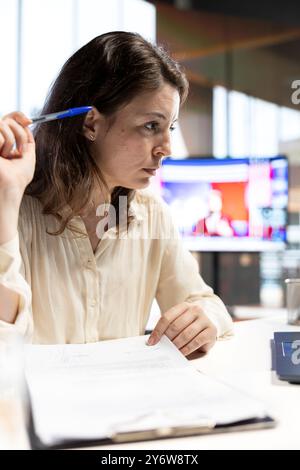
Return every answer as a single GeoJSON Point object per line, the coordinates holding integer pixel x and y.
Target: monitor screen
{"type": "Point", "coordinates": [230, 204]}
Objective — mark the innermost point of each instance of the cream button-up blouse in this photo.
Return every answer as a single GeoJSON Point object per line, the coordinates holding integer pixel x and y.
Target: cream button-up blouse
{"type": "Point", "coordinates": [69, 294]}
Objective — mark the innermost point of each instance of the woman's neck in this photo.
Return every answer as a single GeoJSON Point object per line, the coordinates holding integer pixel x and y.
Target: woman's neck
{"type": "Point", "coordinates": [97, 199]}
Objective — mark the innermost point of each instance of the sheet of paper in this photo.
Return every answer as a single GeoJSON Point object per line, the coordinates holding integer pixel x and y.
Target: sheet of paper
{"type": "Point", "coordinates": [96, 390]}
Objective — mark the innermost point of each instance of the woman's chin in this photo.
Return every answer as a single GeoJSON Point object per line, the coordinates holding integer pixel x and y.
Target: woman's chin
{"type": "Point", "coordinates": [141, 184]}
{"type": "Point", "coordinates": [145, 184]}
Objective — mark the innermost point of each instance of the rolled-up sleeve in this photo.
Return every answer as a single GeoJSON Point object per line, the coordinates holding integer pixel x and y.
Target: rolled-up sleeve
{"type": "Point", "coordinates": [180, 281]}
{"type": "Point", "coordinates": [11, 277]}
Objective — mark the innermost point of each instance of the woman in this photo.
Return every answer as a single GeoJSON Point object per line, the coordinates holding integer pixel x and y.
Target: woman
{"type": "Point", "coordinates": [84, 247]}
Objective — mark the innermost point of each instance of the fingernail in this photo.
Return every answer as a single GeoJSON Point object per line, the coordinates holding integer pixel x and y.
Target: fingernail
{"type": "Point", "coordinates": [151, 341]}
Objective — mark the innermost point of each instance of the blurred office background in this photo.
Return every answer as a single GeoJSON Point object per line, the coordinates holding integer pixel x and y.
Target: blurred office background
{"type": "Point", "coordinates": [241, 60]}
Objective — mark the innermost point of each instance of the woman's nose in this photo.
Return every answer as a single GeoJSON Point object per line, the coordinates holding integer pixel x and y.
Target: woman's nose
{"type": "Point", "coordinates": [164, 149]}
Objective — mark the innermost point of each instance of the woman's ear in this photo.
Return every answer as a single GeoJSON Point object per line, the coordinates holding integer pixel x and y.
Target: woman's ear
{"type": "Point", "coordinates": [92, 124]}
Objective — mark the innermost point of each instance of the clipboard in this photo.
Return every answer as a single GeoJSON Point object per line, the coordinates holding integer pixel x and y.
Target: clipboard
{"type": "Point", "coordinates": [36, 443]}
{"type": "Point", "coordinates": [184, 402]}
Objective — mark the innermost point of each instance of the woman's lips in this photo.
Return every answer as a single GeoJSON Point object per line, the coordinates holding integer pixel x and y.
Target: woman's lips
{"type": "Point", "coordinates": [150, 172]}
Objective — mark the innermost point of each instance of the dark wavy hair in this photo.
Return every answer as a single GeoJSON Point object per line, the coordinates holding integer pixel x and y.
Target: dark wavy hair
{"type": "Point", "coordinates": [107, 73]}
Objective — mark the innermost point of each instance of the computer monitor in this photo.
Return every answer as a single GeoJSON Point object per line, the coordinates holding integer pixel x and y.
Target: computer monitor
{"type": "Point", "coordinates": [230, 204]}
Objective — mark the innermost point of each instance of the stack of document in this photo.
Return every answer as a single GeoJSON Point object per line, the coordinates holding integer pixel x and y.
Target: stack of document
{"type": "Point", "coordinates": [124, 390]}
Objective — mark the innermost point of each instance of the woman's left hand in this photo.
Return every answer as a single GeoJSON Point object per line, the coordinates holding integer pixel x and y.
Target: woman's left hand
{"type": "Point", "coordinates": [187, 326]}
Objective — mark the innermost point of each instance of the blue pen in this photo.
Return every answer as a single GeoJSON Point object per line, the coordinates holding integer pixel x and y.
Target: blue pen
{"type": "Point", "coordinates": [62, 114]}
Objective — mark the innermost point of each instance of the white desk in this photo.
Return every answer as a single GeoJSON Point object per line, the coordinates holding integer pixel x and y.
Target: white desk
{"type": "Point", "coordinates": [245, 361]}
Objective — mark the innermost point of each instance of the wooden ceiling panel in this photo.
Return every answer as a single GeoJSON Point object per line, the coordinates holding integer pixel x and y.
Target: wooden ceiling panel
{"type": "Point", "coordinates": [257, 57]}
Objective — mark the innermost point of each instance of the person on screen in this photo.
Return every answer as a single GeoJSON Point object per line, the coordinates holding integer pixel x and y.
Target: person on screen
{"type": "Point", "coordinates": [85, 248]}
{"type": "Point", "coordinates": [215, 224]}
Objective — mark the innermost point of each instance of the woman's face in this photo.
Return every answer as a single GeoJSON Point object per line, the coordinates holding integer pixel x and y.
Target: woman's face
{"type": "Point", "coordinates": [137, 140]}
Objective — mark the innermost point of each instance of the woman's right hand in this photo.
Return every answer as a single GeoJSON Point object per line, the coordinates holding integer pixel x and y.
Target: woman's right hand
{"type": "Point", "coordinates": [17, 153]}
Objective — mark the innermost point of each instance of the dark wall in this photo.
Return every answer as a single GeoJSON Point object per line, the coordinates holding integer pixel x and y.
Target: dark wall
{"type": "Point", "coordinates": [237, 280]}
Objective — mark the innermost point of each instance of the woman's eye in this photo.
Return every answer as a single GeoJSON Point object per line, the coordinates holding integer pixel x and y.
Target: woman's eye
{"type": "Point", "coordinates": [152, 126]}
